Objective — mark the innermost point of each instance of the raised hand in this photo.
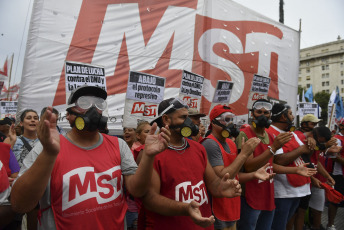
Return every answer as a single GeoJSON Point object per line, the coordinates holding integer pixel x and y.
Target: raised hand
{"type": "Point", "coordinates": [281, 139]}
{"type": "Point", "coordinates": [262, 174]}
{"type": "Point", "coordinates": [47, 132]}
{"type": "Point", "coordinates": [249, 146]}
{"type": "Point", "coordinates": [156, 143]}
{"type": "Point", "coordinates": [12, 136]}
{"type": "Point", "coordinates": [332, 141]}
{"type": "Point", "coordinates": [304, 171]}
{"type": "Point", "coordinates": [229, 187]}
{"type": "Point", "coordinates": [196, 215]}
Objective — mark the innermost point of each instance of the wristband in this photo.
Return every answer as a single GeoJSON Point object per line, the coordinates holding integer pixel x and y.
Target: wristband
{"type": "Point", "coordinates": [273, 153]}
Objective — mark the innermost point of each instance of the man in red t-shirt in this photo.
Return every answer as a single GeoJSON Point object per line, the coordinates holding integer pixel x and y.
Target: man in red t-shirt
{"type": "Point", "coordinates": [82, 172]}
{"type": "Point", "coordinates": [182, 176]}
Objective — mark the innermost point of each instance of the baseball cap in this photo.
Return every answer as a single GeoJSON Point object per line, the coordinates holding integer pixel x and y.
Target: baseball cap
{"type": "Point", "coordinates": [168, 106]}
{"type": "Point", "coordinates": [193, 112]}
{"type": "Point", "coordinates": [311, 118]}
{"type": "Point", "coordinates": [86, 90]}
{"type": "Point", "coordinates": [218, 110]}
{"type": "Point", "coordinates": [6, 121]}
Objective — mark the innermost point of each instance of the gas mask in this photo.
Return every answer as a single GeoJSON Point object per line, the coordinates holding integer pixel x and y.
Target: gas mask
{"type": "Point", "coordinates": [261, 121]}
{"type": "Point", "coordinates": [90, 121]}
{"type": "Point", "coordinates": [229, 130]}
{"type": "Point", "coordinates": [187, 128]}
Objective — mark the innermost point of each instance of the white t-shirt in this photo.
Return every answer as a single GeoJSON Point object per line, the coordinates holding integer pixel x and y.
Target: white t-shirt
{"type": "Point", "coordinates": [283, 189]}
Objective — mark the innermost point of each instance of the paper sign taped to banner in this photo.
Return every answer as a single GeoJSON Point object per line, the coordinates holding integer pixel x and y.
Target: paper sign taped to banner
{"type": "Point", "coordinates": [8, 109]}
{"type": "Point", "coordinates": [259, 89]}
{"type": "Point", "coordinates": [191, 89]}
{"type": "Point", "coordinates": [78, 74]}
{"type": "Point", "coordinates": [144, 93]}
{"type": "Point", "coordinates": [222, 94]}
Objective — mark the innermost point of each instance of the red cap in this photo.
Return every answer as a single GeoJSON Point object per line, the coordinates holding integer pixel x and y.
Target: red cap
{"type": "Point", "coordinates": [332, 195]}
{"type": "Point", "coordinates": [218, 110]}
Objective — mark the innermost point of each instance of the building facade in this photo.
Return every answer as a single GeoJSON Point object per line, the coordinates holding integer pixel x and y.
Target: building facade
{"type": "Point", "coordinates": [322, 66]}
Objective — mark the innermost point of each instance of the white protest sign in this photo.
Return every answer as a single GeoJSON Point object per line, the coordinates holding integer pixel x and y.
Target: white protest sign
{"type": "Point", "coordinates": [308, 108]}
{"type": "Point", "coordinates": [78, 74]}
{"type": "Point", "coordinates": [144, 93]}
{"type": "Point", "coordinates": [331, 116]}
{"type": "Point", "coordinates": [191, 89]}
{"type": "Point", "coordinates": [259, 89]}
{"type": "Point", "coordinates": [222, 94]}
{"type": "Point", "coordinates": [8, 109]}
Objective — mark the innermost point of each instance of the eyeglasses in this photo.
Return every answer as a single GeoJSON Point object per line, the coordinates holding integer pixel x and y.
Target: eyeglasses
{"type": "Point", "coordinates": [86, 102]}
{"type": "Point", "coordinates": [175, 104]}
{"type": "Point", "coordinates": [262, 104]}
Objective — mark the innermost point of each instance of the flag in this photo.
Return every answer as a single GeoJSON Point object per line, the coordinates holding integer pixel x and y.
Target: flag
{"type": "Point", "coordinates": [5, 77]}
{"type": "Point", "coordinates": [332, 98]}
{"type": "Point", "coordinates": [339, 106]}
{"type": "Point", "coordinates": [303, 99]}
{"type": "Point", "coordinates": [309, 94]}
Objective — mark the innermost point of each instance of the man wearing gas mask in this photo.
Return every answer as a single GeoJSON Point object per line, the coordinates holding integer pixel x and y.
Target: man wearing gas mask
{"type": "Point", "coordinates": [195, 117]}
{"type": "Point", "coordinates": [257, 204]}
{"type": "Point", "coordinates": [289, 187]}
{"type": "Point", "coordinates": [182, 176]}
{"type": "Point", "coordinates": [222, 155]}
{"type": "Point", "coordinates": [78, 178]}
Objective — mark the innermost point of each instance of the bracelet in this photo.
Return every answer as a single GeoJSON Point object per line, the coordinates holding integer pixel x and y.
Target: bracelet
{"type": "Point", "coordinates": [273, 153]}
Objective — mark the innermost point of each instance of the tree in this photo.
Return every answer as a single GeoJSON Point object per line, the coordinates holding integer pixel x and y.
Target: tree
{"type": "Point", "coordinates": [322, 99]}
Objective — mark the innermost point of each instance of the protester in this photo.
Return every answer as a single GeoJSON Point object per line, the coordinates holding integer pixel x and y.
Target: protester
{"type": "Point", "coordinates": [129, 136]}
{"type": "Point", "coordinates": [59, 129]}
{"type": "Point", "coordinates": [289, 188]}
{"type": "Point", "coordinates": [24, 143]}
{"type": "Point", "coordinates": [308, 123]}
{"type": "Point", "coordinates": [77, 178]}
{"type": "Point", "coordinates": [182, 176]}
{"type": "Point", "coordinates": [258, 204]}
{"type": "Point", "coordinates": [318, 158]}
{"type": "Point", "coordinates": [5, 125]}
{"type": "Point", "coordinates": [195, 117]}
{"type": "Point", "coordinates": [335, 166]}
{"type": "Point", "coordinates": [222, 155]}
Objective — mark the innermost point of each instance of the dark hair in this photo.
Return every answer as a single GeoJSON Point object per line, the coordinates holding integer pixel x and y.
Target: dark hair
{"type": "Point", "coordinates": [23, 114]}
{"type": "Point", "coordinates": [322, 131]}
{"type": "Point", "coordinates": [45, 108]}
{"type": "Point", "coordinates": [278, 110]}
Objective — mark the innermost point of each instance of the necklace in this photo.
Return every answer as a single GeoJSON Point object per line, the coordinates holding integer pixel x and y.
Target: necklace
{"type": "Point", "coordinates": [178, 149]}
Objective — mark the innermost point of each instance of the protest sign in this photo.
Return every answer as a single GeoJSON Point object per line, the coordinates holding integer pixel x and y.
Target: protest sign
{"type": "Point", "coordinates": [78, 74]}
{"type": "Point", "coordinates": [308, 108]}
{"type": "Point", "coordinates": [8, 109]}
{"type": "Point", "coordinates": [259, 89]}
{"type": "Point", "coordinates": [191, 89]}
{"type": "Point", "coordinates": [144, 93]}
{"type": "Point", "coordinates": [222, 94]}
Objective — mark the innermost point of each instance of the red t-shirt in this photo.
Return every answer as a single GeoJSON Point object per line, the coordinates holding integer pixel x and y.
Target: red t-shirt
{"type": "Point", "coordinates": [181, 175]}
{"type": "Point", "coordinates": [86, 187]}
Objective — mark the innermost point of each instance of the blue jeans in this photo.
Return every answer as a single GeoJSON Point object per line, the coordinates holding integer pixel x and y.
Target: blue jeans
{"type": "Point", "coordinates": [285, 209]}
{"type": "Point", "coordinates": [253, 219]}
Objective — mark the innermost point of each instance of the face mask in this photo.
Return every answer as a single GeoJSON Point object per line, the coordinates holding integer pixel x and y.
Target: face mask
{"type": "Point", "coordinates": [187, 128]}
{"type": "Point", "coordinates": [227, 131]}
{"type": "Point", "coordinates": [90, 121]}
{"type": "Point", "coordinates": [261, 121]}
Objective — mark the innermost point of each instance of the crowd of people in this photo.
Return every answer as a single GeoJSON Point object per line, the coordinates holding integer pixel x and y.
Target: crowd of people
{"type": "Point", "coordinates": [169, 173]}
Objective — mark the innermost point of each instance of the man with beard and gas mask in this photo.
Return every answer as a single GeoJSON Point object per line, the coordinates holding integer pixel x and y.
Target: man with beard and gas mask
{"type": "Point", "coordinates": [222, 155]}
{"type": "Point", "coordinates": [257, 204]}
{"type": "Point", "coordinates": [182, 176]}
{"type": "Point", "coordinates": [78, 178]}
{"type": "Point", "coordinates": [290, 186]}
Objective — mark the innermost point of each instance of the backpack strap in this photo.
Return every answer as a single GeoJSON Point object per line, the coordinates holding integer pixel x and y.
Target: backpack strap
{"type": "Point", "coordinates": [26, 144]}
